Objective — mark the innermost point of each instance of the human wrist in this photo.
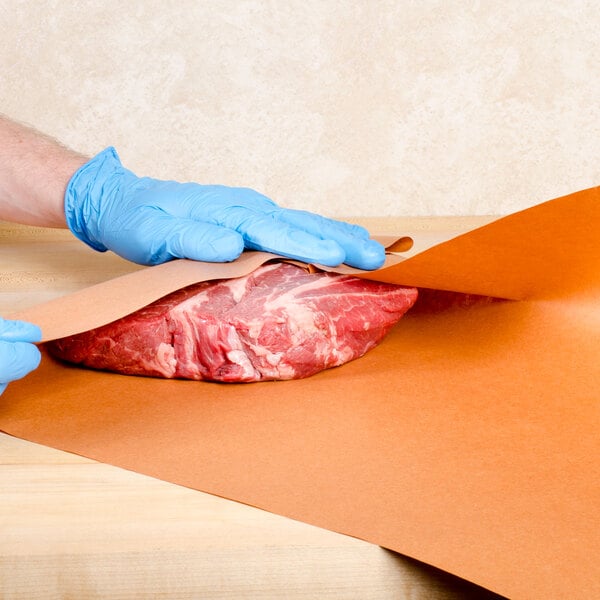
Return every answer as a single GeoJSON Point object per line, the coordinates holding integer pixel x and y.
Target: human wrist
{"type": "Point", "coordinates": [34, 171]}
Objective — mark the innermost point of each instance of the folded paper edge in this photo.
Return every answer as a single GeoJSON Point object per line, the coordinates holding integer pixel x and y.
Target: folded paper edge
{"type": "Point", "coordinates": [105, 302]}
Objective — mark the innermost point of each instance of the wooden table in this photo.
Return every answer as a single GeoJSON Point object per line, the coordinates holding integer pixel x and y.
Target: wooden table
{"type": "Point", "coordinates": [71, 527]}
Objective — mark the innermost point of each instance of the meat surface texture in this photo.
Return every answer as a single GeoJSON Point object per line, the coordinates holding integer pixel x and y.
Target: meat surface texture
{"type": "Point", "coordinates": [279, 322]}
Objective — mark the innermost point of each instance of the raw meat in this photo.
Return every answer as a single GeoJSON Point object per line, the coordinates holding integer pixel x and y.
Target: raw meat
{"type": "Point", "coordinates": [279, 322]}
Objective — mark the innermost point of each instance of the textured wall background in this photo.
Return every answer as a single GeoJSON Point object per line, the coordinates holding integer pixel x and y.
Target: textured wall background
{"type": "Point", "coordinates": [364, 107]}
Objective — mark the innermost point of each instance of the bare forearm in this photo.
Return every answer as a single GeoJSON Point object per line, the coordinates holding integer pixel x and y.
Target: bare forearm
{"type": "Point", "coordinates": [34, 173]}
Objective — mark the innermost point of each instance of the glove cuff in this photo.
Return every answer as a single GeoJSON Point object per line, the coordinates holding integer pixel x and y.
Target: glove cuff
{"type": "Point", "coordinates": [83, 197]}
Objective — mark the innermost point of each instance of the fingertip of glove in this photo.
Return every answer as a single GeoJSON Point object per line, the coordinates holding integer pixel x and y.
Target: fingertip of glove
{"type": "Point", "coordinates": [228, 246]}
{"type": "Point", "coordinates": [33, 357]}
{"type": "Point", "coordinates": [19, 331]}
{"type": "Point", "coordinates": [365, 254]}
{"type": "Point", "coordinates": [372, 255]}
{"type": "Point", "coordinates": [27, 357]}
{"type": "Point", "coordinates": [222, 245]}
{"type": "Point", "coordinates": [18, 359]}
{"type": "Point", "coordinates": [203, 242]}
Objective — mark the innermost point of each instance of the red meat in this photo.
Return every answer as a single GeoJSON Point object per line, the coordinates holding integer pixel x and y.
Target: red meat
{"type": "Point", "coordinates": [279, 322]}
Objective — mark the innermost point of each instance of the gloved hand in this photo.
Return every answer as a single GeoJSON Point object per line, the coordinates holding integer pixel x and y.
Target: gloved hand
{"type": "Point", "coordinates": [149, 221]}
{"type": "Point", "coordinates": [18, 355]}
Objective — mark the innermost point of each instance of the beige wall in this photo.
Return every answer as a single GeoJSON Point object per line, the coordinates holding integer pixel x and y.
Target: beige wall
{"type": "Point", "coordinates": [365, 107]}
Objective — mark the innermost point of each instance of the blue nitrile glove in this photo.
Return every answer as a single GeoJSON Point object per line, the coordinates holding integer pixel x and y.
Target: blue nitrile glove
{"type": "Point", "coordinates": [149, 221]}
{"type": "Point", "coordinates": [18, 354]}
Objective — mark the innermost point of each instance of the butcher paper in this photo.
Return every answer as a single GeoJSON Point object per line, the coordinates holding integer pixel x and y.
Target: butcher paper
{"type": "Point", "coordinates": [468, 439]}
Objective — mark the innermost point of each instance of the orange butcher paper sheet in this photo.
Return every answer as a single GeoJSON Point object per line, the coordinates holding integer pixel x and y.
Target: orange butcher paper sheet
{"type": "Point", "coordinates": [468, 439]}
